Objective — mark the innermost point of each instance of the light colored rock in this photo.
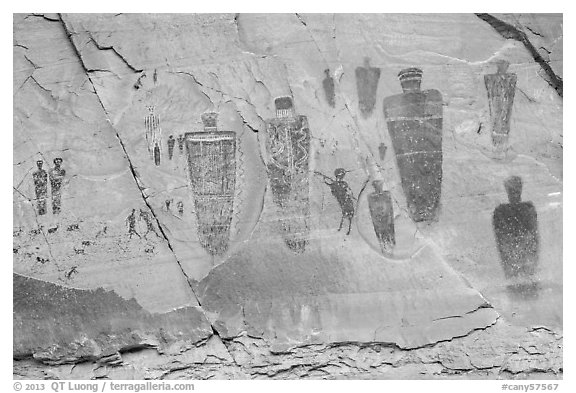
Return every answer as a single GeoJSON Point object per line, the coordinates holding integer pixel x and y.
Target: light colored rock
{"type": "Point", "coordinates": [86, 83]}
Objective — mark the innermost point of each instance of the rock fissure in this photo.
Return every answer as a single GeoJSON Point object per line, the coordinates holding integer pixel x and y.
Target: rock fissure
{"type": "Point", "coordinates": [508, 31]}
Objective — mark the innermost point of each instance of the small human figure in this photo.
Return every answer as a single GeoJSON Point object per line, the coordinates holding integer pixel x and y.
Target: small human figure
{"type": "Point", "coordinates": [180, 206]}
{"type": "Point", "coordinates": [56, 178]}
{"type": "Point", "coordinates": [343, 194]}
{"type": "Point", "coordinates": [168, 202]}
{"type": "Point", "coordinates": [41, 187]}
{"type": "Point", "coordinates": [148, 220]}
{"type": "Point", "coordinates": [382, 151]}
{"type": "Point", "coordinates": [171, 143]}
{"type": "Point", "coordinates": [131, 222]}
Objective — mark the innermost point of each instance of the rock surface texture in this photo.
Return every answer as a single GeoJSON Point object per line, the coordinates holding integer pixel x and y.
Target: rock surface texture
{"type": "Point", "coordinates": [287, 196]}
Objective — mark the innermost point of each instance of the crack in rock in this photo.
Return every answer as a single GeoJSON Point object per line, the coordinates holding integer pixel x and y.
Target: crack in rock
{"type": "Point", "coordinates": [508, 31]}
{"type": "Point", "coordinates": [133, 171]}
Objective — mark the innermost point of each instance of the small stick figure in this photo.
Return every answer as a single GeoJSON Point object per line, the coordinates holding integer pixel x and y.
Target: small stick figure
{"type": "Point", "coordinates": [343, 194]}
{"type": "Point", "coordinates": [131, 222]}
{"type": "Point", "coordinates": [148, 220]}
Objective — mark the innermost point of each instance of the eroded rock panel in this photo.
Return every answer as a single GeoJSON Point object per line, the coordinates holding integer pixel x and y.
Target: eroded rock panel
{"type": "Point", "coordinates": [128, 194]}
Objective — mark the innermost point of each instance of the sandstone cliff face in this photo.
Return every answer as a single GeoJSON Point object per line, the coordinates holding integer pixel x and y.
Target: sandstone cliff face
{"type": "Point", "coordinates": [172, 219]}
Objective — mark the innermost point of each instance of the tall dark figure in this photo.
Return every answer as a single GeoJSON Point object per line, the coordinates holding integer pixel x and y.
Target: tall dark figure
{"type": "Point", "coordinates": [287, 162]}
{"type": "Point", "coordinates": [156, 155]}
{"type": "Point", "coordinates": [40, 177]}
{"type": "Point", "coordinates": [501, 88]}
{"type": "Point", "coordinates": [414, 120]}
{"type": "Point", "coordinates": [212, 173]}
{"type": "Point", "coordinates": [56, 179]}
{"type": "Point", "coordinates": [516, 230]}
{"type": "Point", "coordinates": [328, 85]}
{"type": "Point", "coordinates": [382, 213]}
{"type": "Point", "coordinates": [171, 143]}
{"type": "Point", "coordinates": [343, 194]}
{"type": "Point", "coordinates": [367, 79]}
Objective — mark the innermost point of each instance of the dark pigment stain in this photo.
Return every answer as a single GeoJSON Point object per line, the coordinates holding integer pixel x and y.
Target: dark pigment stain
{"type": "Point", "coordinates": [110, 321]}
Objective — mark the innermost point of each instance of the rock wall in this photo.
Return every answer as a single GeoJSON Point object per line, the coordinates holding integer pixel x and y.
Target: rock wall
{"type": "Point", "coordinates": [287, 196]}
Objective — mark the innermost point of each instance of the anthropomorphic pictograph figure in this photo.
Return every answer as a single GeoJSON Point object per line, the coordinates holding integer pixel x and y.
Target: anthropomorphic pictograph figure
{"type": "Point", "coordinates": [153, 134]}
{"type": "Point", "coordinates": [180, 207]}
{"type": "Point", "coordinates": [343, 194]}
{"type": "Point", "coordinates": [382, 213]}
{"type": "Point", "coordinates": [328, 85]}
{"type": "Point", "coordinates": [287, 157]}
{"type": "Point", "coordinates": [414, 121]}
{"type": "Point", "coordinates": [147, 217]}
{"type": "Point", "coordinates": [131, 223]}
{"type": "Point", "coordinates": [56, 179]}
{"type": "Point", "coordinates": [211, 158]}
{"type": "Point", "coordinates": [171, 143]}
{"type": "Point", "coordinates": [367, 78]}
{"type": "Point", "coordinates": [516, 231]}
{"type": "Point", "coordinates": [40, 177]}
{"type": "Point", "coordinates": [500, 87]}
